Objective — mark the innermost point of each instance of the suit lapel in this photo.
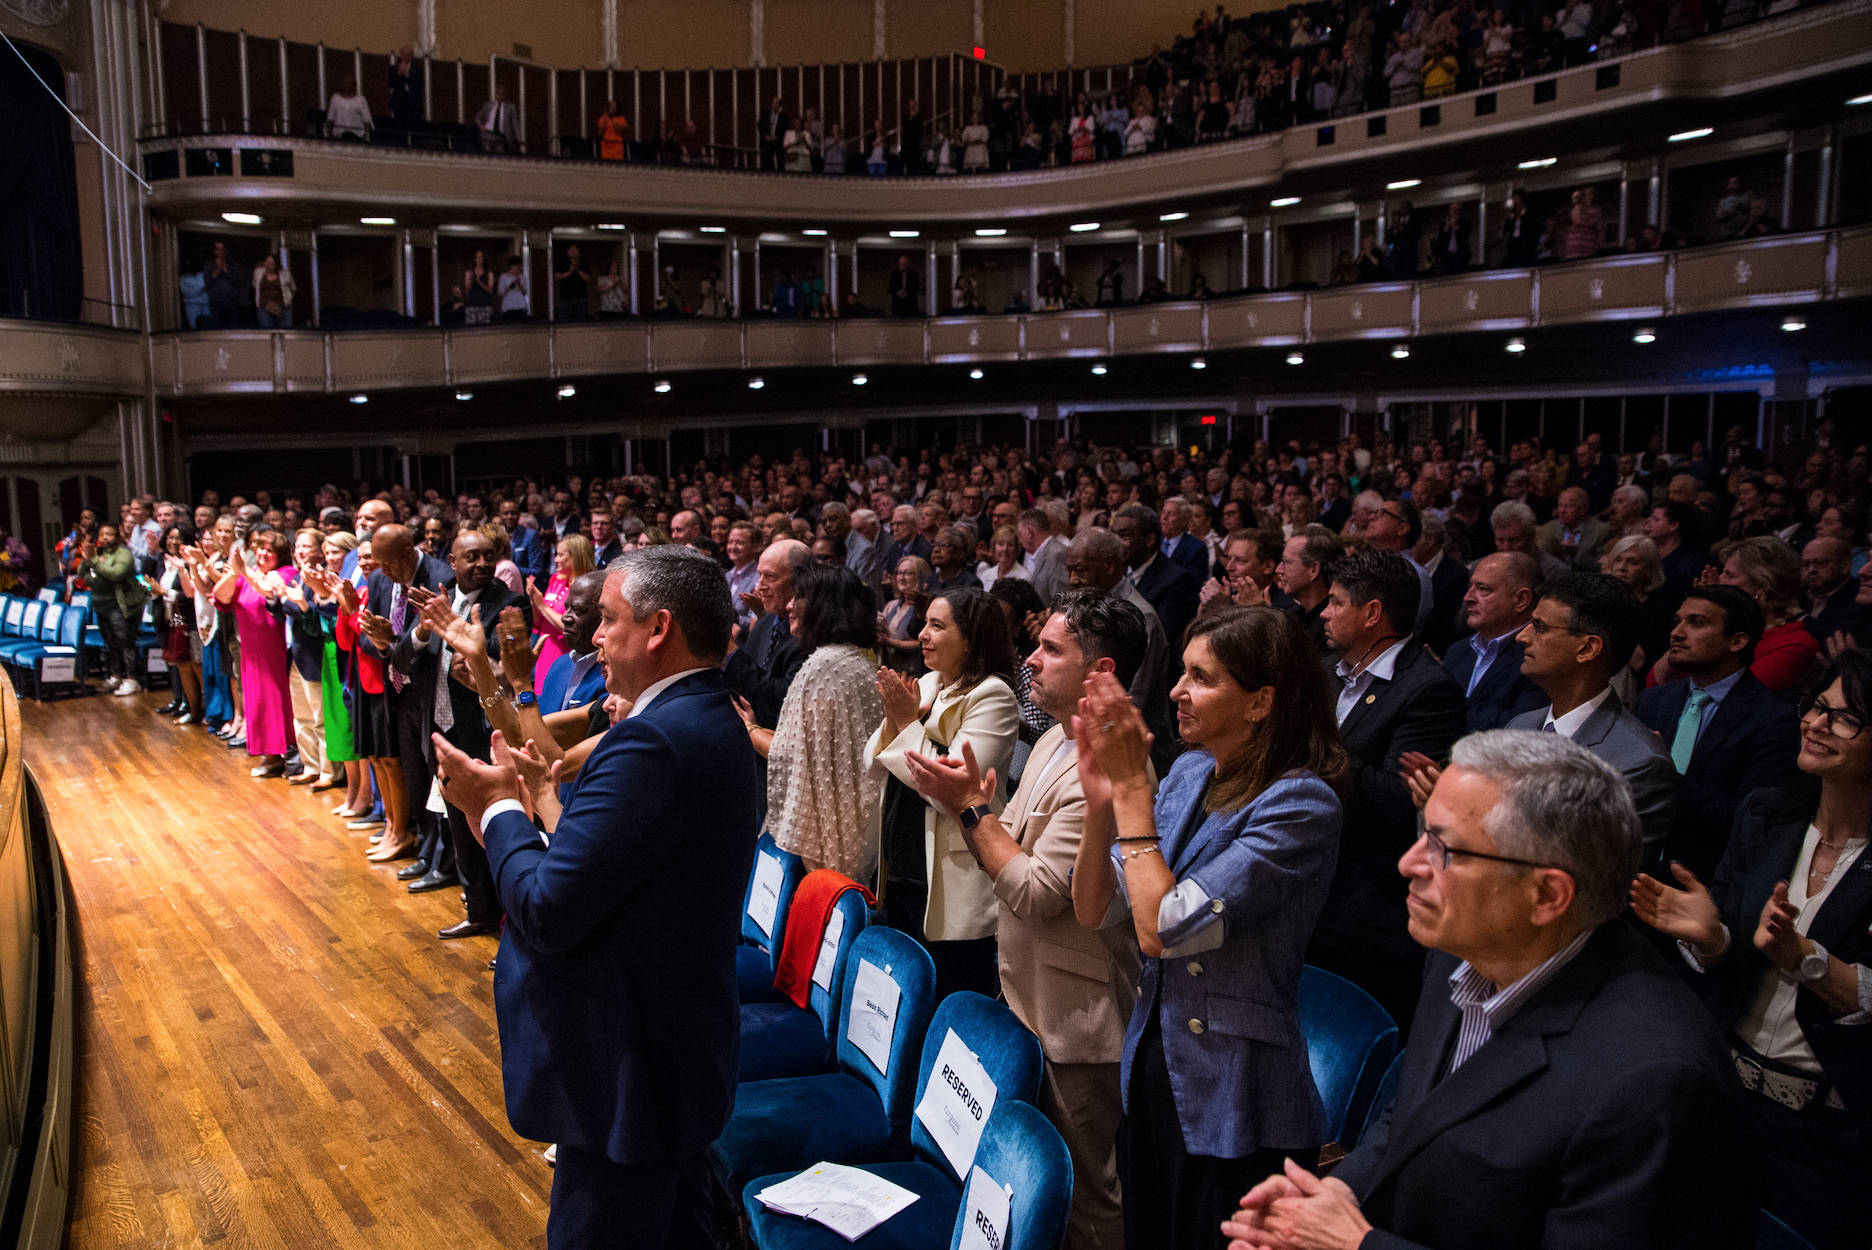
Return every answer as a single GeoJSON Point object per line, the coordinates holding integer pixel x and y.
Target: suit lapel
{"type": "Point", "coordinates": [1845, 908]}
{"type": "Point", "coordinates": [1730, 713]}
{"type": "Point", "coordinates": [1376, 691]}
{"type": "Point", "coordinates": [1600, 723]}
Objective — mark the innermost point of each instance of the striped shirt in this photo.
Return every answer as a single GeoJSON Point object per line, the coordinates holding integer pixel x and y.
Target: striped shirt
{"type": "Point", "coordinates": [1483, 1006]}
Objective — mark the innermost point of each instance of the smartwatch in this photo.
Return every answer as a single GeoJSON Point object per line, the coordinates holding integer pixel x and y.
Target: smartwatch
{"type": "Point", "coordinates": [970, 817]}
{"type": "Point", "coordinates": [1813, 964]}
{"type": "Point", "coordinates": [525, 698]}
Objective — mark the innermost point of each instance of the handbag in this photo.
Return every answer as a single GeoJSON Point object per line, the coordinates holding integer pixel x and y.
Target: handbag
{"type": "Point", "coordinates": [175, 643]}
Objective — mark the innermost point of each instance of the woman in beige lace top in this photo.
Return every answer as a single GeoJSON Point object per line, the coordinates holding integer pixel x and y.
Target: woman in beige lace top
{"type": "Point", "coordinates": [822, 799]}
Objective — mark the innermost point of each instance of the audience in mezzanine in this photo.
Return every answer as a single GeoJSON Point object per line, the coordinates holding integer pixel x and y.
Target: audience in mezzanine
{"type": "Point", "coordinates": [985, 761]}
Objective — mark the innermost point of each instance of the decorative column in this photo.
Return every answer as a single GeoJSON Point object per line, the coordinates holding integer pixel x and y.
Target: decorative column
{"type": "Point", "coordinates": [1072, 10]}
{"type": "Point", "coordinates": [609, 11]}
{"type": "Point", "coordinates": [981, 23]}
{"type": "Point", "coordinates": [880, 28]}
{"type": "Point", "coordinates": [425, 28]}
{"type": "Point", "coordinates": [757, 32]}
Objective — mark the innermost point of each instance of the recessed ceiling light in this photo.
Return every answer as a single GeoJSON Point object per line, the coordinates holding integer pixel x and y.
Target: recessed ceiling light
{"type": "Point", "coordinates": [1645, 334]}
{"type": "Point", "coordinates": [714, 229]}
{"type": "Point", "coordinates": [242, 219]}
{"type": "Point", "coordinates": [1295, 358]}
{"type": "Point", "coordinates": [1701, 132]}
{"type": "Point", "coordinates": [1098, 371]}
{"type": "Point", "coordinates": [1542, 163]}
{"type": "Point", "coordinates": [859, 379]}
{"type": "Point", "coordinates": [1083, 227]}
{"type": "Point", "coordinates": [462, 397]}
{"type": "Point", "coordinates": [1403, 183]}
{"type": "Point", "coordinates": [1516, 346]}
{"type": "Point", "coordinates": [360, 399]}
{"type": "Point", "coordinates": [1860, 99]}
{"type": "Point", "coordinates": [377, 221]}
{"type": "Point", "coordinates": [1285, 201]}
{"type": "Point", "coordinates": [975, 375]}
{"type": "Point", "coordinates": [990, 232]}
{"type": "Point", "coordinates": [1793, 323]}
{"type": "Point", "coordinates": [662, 387]}
{"type": "Point", "coordinates": [1199, 363]}
{"type": "Point", "coordinates": [1400, 352]}
{"type": "Point", "coordinates": [567, 392]}
{"type": "Point", "coordinates": [754, 384]}
{"type": "Point", "coordinates": [1171, 216]}
{"type": "Point", "coordinates": [904, 234]}
{"type": "Point", "coordinates": [817, 234]}
{"type": "Point", "coordinates": [611, 225]}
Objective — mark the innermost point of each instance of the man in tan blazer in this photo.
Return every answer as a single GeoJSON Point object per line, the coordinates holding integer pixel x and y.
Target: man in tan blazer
{"type": "Point", "coordinates": [1074, 987]}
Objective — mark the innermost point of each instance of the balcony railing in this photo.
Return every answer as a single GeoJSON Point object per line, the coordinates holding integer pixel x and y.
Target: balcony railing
{"type": "Point", "coordinates": [1782, 270]}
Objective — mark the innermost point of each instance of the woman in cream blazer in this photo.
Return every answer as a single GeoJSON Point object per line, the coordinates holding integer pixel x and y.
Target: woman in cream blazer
{"type": "Point", "coordinates": [964, 700]}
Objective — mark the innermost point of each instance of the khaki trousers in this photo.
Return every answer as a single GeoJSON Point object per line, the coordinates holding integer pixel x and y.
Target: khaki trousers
{"type": "Point", "coordinates": [1085, 1103]}
{"type": "Point", "coordinates": [308, 707]}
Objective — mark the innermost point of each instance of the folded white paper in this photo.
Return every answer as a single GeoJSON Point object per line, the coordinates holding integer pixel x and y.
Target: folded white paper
{"type": "Point", "coordinates": [849, 1201]}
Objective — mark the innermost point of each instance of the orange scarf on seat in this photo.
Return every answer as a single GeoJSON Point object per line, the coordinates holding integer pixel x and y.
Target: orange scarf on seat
{"type": "Point", "coordinates": [806, 920]}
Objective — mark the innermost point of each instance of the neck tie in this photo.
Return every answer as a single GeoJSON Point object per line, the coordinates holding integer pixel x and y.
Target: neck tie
{"type": "Point", "coordinates": [1684, 745]}
{"type": "Point", "coordinates": [399, 617]}
{"type": "Point", "coordinates": [1548, 728]}
{"type": "Point", "coordinates": [444, 706]}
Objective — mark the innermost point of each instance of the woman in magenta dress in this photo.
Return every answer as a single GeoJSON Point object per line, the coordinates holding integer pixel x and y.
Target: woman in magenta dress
{"type": "Point", "coordinates": [256, 575]}
{"type": "Point", "coordinates": [572, 561]}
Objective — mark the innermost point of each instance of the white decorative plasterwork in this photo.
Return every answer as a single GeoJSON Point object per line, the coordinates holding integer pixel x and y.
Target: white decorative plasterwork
{"type": "Point", "coordinates": [1358, 310]}
{"type": "Point", "coordinates": [1743, 272]}
{"type": "Point", "coordinates": [611, 60]}
{"type": "Point", "coordinates": [1596, 288]}
{"type": "Point", "coordinates": [38, 12]}
{"type": "Point", "coordinates": [1471, 299]}
{"type": "Point", "coordinates": [222, 359]}
{"type": "Point", "coordinates": [70, 358]}
{"type": "Point", "coordinates": [425, 27]}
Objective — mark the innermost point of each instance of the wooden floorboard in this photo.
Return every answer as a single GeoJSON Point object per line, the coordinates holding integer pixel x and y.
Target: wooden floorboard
{"type": "Point", "coordinates": [273, 1048]}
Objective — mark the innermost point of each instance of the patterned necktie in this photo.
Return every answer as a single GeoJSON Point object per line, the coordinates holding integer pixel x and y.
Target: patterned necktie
{"type": "Point", "coordinates": [444, 706]}
{"type": "Point", "coordinates": [1683, 746]}
{"type": "Point", "coordinates": [399, 617]}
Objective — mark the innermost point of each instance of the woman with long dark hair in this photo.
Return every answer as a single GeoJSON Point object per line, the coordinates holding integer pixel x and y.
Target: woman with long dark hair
{"type": "Point", "coordinates": [932, 888]}
{"type": "Point", "coordinates": [1221, 879]}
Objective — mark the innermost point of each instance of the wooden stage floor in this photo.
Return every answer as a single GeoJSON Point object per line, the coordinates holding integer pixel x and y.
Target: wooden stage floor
{"type": "Point", "coordinates": [273, 1048]}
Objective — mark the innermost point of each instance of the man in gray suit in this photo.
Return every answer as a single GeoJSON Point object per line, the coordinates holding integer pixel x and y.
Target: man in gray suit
{"type": "Point", "coordinates": [1582, 634]}
{"type": "Point", "coordinates": [1096, 559]}
{"type": "Point", "coordinates": [1046, 554]}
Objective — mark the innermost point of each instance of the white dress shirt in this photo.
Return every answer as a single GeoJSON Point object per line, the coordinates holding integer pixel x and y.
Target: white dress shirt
{"type": "Point", "coordinates": [1356, 686]}
{"type": "Point", "coordinates": [650, 694]}
{"type": "Point", "coordinates": [1568, 725]}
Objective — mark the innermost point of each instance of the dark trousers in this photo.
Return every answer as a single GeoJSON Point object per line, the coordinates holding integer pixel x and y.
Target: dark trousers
{"type": "Point", "coordinates": [971, 964]}
{"type": "Point", "coordinates": [1395, 982]}
{"type": "Point", "coordinates": [412, 730]}
{"type": "Point", "coordinates": [1174, 1199]}
{"type": "Point", "coordinates": [471, 865]}
{"type": "Point", "coordinates": [120, 651]}
{"type": "Point", "coordinates": [1813, 1166]}
{"type": "Point", "coordinates": [598, 1203]}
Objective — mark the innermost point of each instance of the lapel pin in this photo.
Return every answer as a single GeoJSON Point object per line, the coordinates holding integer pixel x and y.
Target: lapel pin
{"type": "Point", "coordinates": [1371, 698]}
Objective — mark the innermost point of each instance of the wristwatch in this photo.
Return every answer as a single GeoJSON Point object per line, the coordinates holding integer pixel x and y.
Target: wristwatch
{"type": "Point", "coordinates": [970, 817]}
{"type": "Point", "coordinates": [525, 698]}
{"type": "Point", "coordinates": [1813, 964]}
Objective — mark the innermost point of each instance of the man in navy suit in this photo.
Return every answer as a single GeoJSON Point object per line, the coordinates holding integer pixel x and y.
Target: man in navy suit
{"type": "Point", "coordinates": [615, 986]}
{"type": "Point", "coordinates": [1186, 551]}
{"type": "Point", "coordinates": [1564, 1087]}
{"type": "Point", "coordinates": [577, 677]}
{"type": "Point", "coordinates": [1167, 587]}
{"type": "Point", "coordinates": [1727, 733]}
{"type": "Point", "coordinates": [370, 514]}
{"type": "Point", "coordinates": [531, 554]}
{"type": "Point", "coordinates": [1503, 589]}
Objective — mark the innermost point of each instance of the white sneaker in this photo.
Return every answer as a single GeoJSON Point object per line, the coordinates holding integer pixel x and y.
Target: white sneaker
{"type": "Point", "coordinates": [128, 685]}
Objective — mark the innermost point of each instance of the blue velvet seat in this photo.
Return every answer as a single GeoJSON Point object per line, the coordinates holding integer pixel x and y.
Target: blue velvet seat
{"type": "Point", "coordinates": [66, 645]}
{"type": "Point", "coordinates": [1380, 1103]}
{"type": "Point", "coordinates": [854, 1115]}
{"type": "Point", "coordinates": [28, 632]}
{"type": "Point", "coordinates": [1350, 1041]}
{"type": "Point", "coordinates": [779, 1039]}
{"type": "Point", "coordinates": [1018, 1148]}
{"type": "Point", "coordinates": [755, 958]}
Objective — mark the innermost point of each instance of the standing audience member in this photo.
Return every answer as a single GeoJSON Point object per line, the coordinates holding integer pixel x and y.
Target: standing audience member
{"type": "Point", "coordinates": [1166, 586]}
{"type": "Point", "coordinates": [305, 647]}
{"type": "Point", "coordinates": [1221, 877]}
{"type": "Point", "coordinates": [900, 624]}
{"type": "Point", "coordinates": [573, 560]}
{"type": "Point", "coordinates": [1503, 589]}
{"type": "Point", "coordinates": [762, 668]}
{"type": "Point", "coordinates": [178, 626]}
{"type": "Point", "coordinates": [1305, 577]}
{"type": "Point", "coordinates": [1046, 554]}
{"type": "Point", "coordinates": [1095, 560]}
{"type": "Point", "coordinates": [1783, 934]}
{"type": "Point", "coordinates": [256, 577]}
{"type": "Point", "coordinates": [499, 123]}
{"type": "Point", "coordinates": [933, 890]}
{"type": "Point", "coordinates": [1554, 1054]}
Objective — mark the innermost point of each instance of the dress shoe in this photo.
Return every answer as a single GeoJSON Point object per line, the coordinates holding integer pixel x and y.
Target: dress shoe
{"type": "Point", "coordinates": [389, 851]}
{"type": "Point", "coordinates": [327, 782]}
{"type": "Point", "coordinates": [128, 687]}
{"type": "Point", "coordinates": [237, 744]}
{"type": "Point", "coordinates": [468, 928]}
{"type": "Point", "coordinates": [412, 870]}
{"type": "Point", "coordinates": [187, 718]}
{"type": "Point", "coordinates": [304, 777]}
{"type": "Point", "coordinates": [266, 770]}
{"type": "Point", "coordinates": [171, 708]}
{"type": "Point", "coordinates": [433, 881]}
{"type": "Point", "coordinates": [366, 822]}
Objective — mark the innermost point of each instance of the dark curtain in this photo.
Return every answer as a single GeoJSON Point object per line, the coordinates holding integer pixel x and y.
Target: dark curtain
{"type": "Point", "coordinates": [41, 267]}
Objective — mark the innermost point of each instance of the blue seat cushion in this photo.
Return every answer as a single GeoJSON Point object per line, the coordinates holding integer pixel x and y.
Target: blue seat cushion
{"type": "Point", "coordinates": [753, 972]}
{"type": "Point", "coordinates": [792, 1124]}
{"type": "Point", "coordinates": [779, 1040]}
{"type": "Point", "coordinates": [925, 1223]}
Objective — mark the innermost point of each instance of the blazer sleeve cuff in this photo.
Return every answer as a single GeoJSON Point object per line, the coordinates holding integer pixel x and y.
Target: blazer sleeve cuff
{"type": "Point", "coordinates": [1378, 1239]}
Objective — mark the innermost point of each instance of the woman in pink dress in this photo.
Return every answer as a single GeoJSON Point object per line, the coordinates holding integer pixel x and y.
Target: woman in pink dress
{"type": "Point", "coordinates": [572, 561]}
{"type": "Point", "coordinates": [257, 575]}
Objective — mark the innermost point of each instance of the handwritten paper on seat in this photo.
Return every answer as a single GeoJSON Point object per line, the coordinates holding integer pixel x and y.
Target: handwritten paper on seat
{"type": "Point", "coordinates": [849, 1201]}
{"type": "Point", "coordinates": [956, 1103]}
{"type": "Point", "coordinates": [828, 950]}
{"type": "Point", "coordinates": [764, 899]}
{"type": "Point", "coordinates": [873, 1014]}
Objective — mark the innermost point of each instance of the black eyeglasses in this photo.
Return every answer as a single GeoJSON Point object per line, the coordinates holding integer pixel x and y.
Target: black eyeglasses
{"type": "Point", "coordinates": [1841, 722]}
{"type": "Point", "coordinates": [1441, 852]}
{"type": "Point", "coordinates": [1542, 628]}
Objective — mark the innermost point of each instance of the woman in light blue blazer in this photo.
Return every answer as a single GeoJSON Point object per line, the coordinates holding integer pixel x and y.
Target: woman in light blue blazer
{"type": "Point", "coordinates": [1223, 878]}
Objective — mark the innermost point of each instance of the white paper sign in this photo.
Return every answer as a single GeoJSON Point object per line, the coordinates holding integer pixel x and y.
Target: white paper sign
{"type": "Point", "coordinates": [849, 1201]}
{"type": "Point", "coordinates": [764, 899]}
{"type": "Point", "coordinates": [873, 1014]}
{"type": "Point", "coordinates": [828, 950]}
{"type": "Point", "coordinates": [956, 1103]}
{"type": "Point", "coordinates": [58, 668]}
{"type": "Point", "coordinates": [156, 663]}
{"type": "Point", "coordinates": [985, 1213]}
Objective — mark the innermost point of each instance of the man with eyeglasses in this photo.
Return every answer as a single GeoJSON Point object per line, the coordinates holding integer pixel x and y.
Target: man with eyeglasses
{"type": "Point", "coordinates": [1563, 1087]}
{"type": "Point", "coordinates": [1396, 526]}
{"type": "Point", "coordinates": [1728, 734]}
{"type": "Point", "coordinates": [1828, 591]}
